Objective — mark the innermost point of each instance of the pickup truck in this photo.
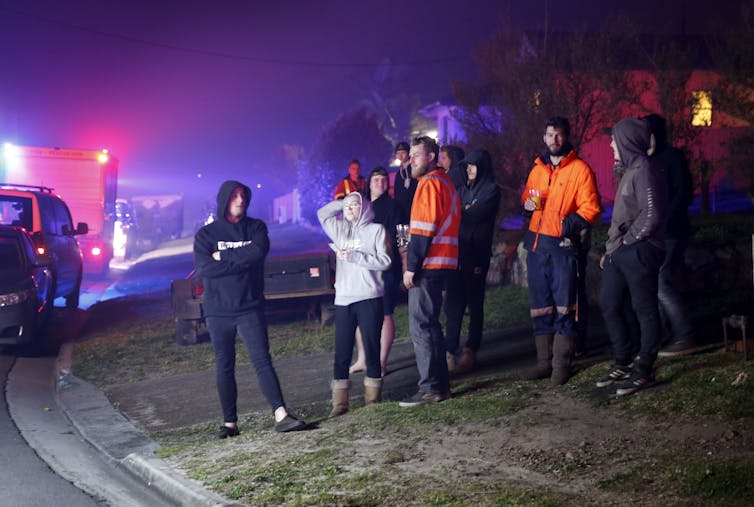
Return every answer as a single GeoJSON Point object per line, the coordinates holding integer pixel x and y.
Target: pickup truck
{"type": "Point", "coordinates": [299, 265]}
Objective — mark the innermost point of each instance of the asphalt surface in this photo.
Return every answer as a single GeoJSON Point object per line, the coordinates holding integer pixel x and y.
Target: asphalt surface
{"type": "Point", "coordinates": [27, 479]}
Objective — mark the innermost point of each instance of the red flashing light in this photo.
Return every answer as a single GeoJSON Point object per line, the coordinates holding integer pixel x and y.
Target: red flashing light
{"type": "Point", "coordinates": [198, 289]}
{"type": "Point", "coordinates": [40, 250]}
{"type": "Point", "coordinates": [96, 251]}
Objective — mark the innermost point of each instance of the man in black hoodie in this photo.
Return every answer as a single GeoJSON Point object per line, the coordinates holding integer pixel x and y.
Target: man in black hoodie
{"type": "Point", "coordinates": [480, 201]}
{"type": "Point", "coordinates": [229, 255]}
{"type": "Point", "coordinates": [634, 252]}
{"type": "Point", "coordinates": [680, 192]}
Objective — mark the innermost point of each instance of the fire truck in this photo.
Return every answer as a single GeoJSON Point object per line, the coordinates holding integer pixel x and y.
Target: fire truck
{"type": "Point", "coordinates": [86, 180]}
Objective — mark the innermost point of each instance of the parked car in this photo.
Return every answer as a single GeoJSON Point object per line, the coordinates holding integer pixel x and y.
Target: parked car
{"type": "Point", "coordinates": [25, 279]}
{"type": "Point", "coordinates": [47, 219]}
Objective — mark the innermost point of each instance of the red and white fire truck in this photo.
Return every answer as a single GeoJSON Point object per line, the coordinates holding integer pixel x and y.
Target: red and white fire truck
{"type": "Point", "coordinates": [87, 180]}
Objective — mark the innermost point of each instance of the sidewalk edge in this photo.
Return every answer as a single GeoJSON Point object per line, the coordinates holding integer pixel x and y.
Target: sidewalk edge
{"type": "Point", "coordinates": [121, 443]}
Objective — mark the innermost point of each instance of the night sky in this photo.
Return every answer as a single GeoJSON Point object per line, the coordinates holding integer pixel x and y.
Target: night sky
{"type": "Point", "coordinates": [173, 88]}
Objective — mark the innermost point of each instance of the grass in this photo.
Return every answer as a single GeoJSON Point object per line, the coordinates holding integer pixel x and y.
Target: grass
{"type": "Point", "coordinates": [698, 384]}
{"type": "Point", "coordinates": [716, 481]}
{"type": "Point", "coordinates": [355, 460]}
{"type": "Point", "coordinates": [117, 350]}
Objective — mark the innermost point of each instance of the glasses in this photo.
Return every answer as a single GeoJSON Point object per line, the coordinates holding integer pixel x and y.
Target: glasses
{"type": "Point", "coordinates": [352, 206]}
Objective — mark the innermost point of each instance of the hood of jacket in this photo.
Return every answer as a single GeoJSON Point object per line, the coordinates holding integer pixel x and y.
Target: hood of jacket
{"type": "Point", "coordinates": [223, 196]}
{"type": "Point", "coordinates": [632, 139]}
{"type": "Point", "coordinates": [658, 128]}
{"type": "Point", "coordinates": [366, 216]}
{"type": "Point", "coordinates": [483, 162]}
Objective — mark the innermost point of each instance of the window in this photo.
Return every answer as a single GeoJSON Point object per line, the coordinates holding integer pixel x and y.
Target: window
{"type": "Point", "coordinates": [15, 211]}
{"type": "Point", "coordinates": [701, 109]}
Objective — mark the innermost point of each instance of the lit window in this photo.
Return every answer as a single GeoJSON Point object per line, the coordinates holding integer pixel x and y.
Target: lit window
{"type": "Point", "coordinates": [701, 109]}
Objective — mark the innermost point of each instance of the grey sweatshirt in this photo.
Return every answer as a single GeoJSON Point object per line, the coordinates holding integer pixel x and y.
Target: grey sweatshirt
{"type": "Point", "coordinates": [639, 211]}
{"type": "Point", "coordinates": [360, 277]}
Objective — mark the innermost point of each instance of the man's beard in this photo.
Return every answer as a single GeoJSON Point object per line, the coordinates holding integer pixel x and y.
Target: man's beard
{"type": "Point", "coordinates": [559, 151]}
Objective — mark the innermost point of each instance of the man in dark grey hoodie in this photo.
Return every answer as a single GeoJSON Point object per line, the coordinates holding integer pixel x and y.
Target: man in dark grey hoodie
{"type": "Point", "coordinates": [634, 253]}
{"type": "Point", "coordinates": [229, 256]}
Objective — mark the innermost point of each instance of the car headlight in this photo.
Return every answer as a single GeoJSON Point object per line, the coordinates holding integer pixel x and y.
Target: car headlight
{"type": "Point", "coordinates": [15, 298]}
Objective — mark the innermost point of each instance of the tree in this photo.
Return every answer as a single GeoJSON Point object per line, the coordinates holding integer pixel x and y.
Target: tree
{"type": "Point", "coordinates": [389, 97]}
{"type": "Point", "coordinates": [526, 78]}
{"type": "Point", "coordinates": [732, 50]}
{"type": "Point", "coordinates": [356, 134]}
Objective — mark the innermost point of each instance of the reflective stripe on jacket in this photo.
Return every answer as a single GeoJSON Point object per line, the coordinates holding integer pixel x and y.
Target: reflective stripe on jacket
{"type": "Point", "coordinates": [569, 188]}
{"type": "Point", "coordinates": [435, 220]}
{"type": "Point", "coordinates": [346, 186]}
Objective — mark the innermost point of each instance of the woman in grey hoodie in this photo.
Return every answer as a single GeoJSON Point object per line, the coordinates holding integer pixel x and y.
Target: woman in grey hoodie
{"type": "Point", "coordinates": [362, 253]}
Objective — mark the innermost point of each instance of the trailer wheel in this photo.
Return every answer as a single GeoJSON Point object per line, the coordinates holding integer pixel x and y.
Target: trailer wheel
{"type": "Point", "coordinates": [186, 332]}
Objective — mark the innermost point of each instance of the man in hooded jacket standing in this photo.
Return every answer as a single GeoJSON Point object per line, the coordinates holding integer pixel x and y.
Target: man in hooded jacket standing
{"type": "Point", "coordinates": [480, 201]}
{"type": "Point", "coordinates": [680, 192]}
{"type": "Point", "coordinates": [561, 196]}
{"type": "Point", "coordinates": [229, 256]}
{"type": "Point", "coordinates": [633, 255]}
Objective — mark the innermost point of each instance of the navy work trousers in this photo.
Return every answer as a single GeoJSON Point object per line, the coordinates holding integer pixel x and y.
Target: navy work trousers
{"type": "Point", "coordinates": [552, 292]}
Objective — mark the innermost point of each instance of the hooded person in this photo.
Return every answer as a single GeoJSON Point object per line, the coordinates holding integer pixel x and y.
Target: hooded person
{"type": "Point", "coordinates": [229, 256]}
{"type": "Point", "coordinates": [633, 254]}
{"type": "Point", "coordinates": [480, 201]}
{"type": "Point", "coordinates": [680, 192]}
{"type": "Point", "coordinates": [450, 159]}
{"type": "Point", "coordinates": [362, 248]}
{"type": "Point", "coordinates": [387, 213]}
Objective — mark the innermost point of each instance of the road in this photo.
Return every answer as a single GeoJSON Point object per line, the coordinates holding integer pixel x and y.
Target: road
{"type": "Point", "coordinates": [43, 459]}
{"type": "Point", "coordinates": [27, 480]}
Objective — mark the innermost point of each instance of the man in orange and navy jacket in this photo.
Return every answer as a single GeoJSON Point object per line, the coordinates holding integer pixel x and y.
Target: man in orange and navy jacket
{"type": "Point", "coordinates": [432, 255]}
{"type": "Point", "coordinates": [561, 197]}
{"type": "Point", "coordinates": [354, 182]}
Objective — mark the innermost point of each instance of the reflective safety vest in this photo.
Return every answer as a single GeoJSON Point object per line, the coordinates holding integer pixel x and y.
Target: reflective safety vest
{"type": "Point", "coordinates": [346, 186]}
{"type": "Point", "coordinates": [435, 219]}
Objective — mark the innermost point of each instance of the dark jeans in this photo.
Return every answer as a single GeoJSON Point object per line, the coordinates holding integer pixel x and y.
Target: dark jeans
{"type": "Point", "coordinates": [252, 328]}
{"type": "Point", "coordinates": [672, 308]}
{"type": "Point", "coordinates": [633, 268]}
{"type": "Point", "coordinates": [465, 287]}
{"type": "Point", "coordinates": [582, 302]}
{"type": "Point", "coordinates": [424, 305]}
{"type": "Point", "coordinates": [552, 292]}
{"type": "Point", "coordinates": [367, 315]}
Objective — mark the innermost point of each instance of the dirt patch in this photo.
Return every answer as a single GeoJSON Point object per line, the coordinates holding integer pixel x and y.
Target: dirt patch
{"type": "Point", "coordinates": [559, 446]}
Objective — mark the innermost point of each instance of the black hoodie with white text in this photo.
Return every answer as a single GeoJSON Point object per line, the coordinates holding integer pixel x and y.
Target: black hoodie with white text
{"type": "Point", "coordinates": [233, 285]}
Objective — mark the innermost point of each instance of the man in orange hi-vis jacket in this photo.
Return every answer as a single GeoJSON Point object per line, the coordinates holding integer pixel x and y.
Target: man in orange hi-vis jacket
{"type": "Point", "coordinates": [432, 254]}
{"type": "Point", "coordinates": [561, 198]}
